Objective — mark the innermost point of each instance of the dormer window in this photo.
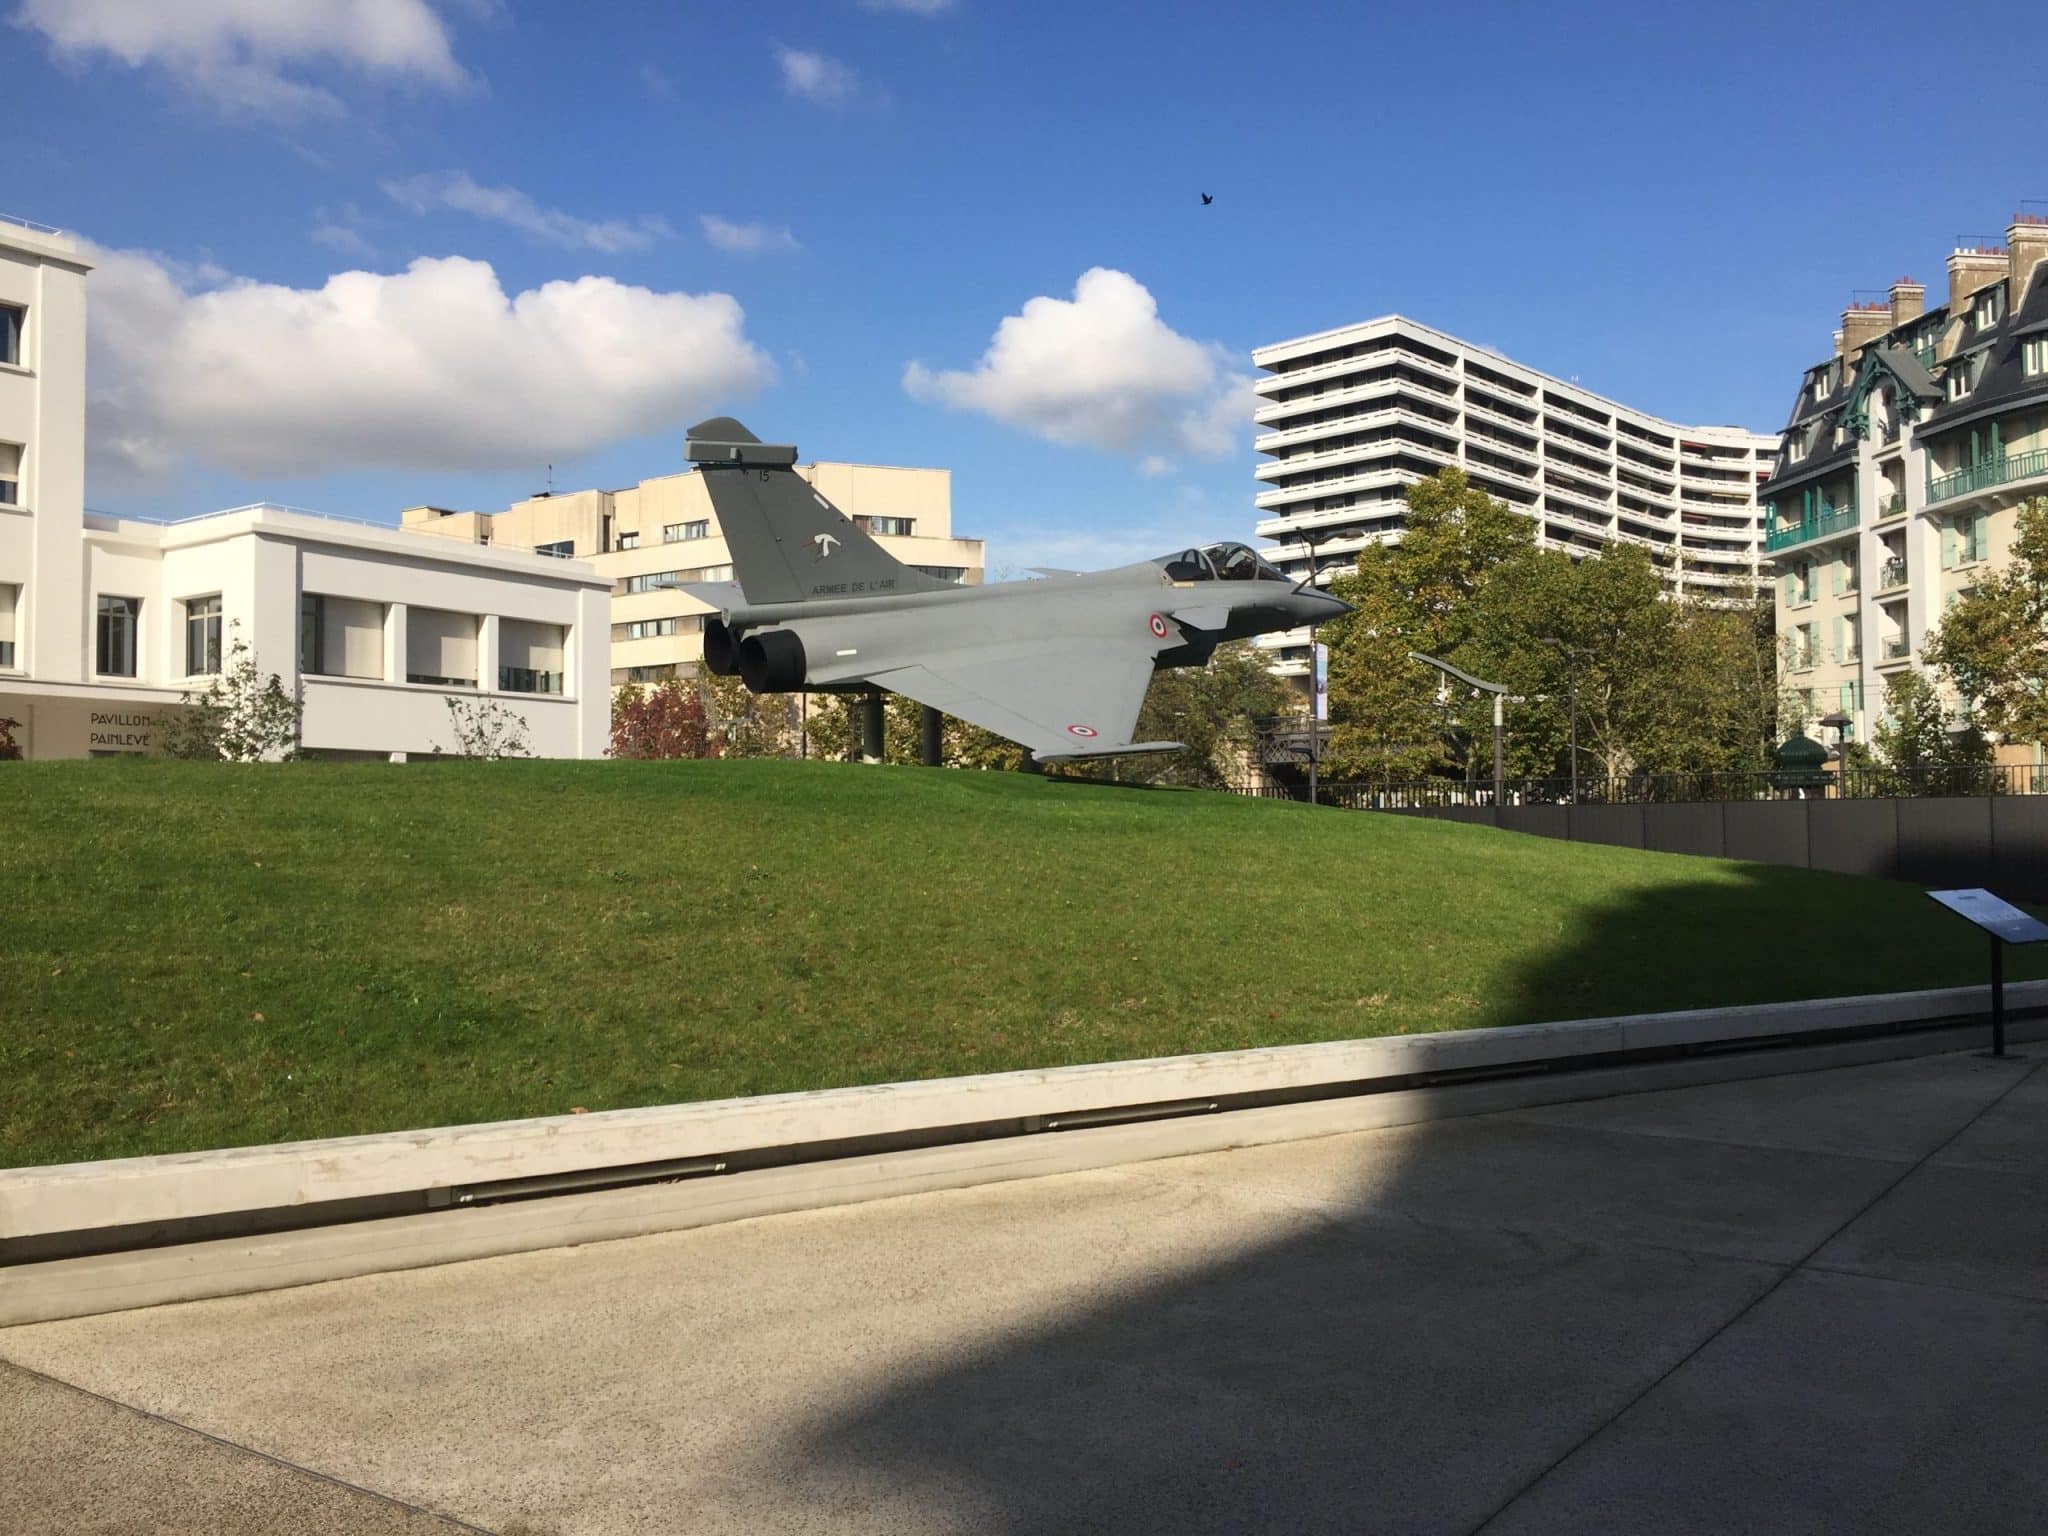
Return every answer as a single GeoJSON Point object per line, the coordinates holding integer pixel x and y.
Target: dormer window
{"type": "Point", "coordinates": [2034, 356]}
{"type": "Point", "coordinates": [1989, 308]}
{"type": "Point", "coordinates": [1955, 384]}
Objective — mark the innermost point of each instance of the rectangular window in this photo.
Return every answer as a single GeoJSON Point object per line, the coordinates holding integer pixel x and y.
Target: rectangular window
{"type": "Point", "coordinates": [649, 581]}
{"type": "Point", "coordinates": [440, 648]}
{"type": "Point", "coordinates": [10, 474]}
{"type": "Point", "coordinates": [629, 541]}
{"type": "Point", "coordinates": [884, 527]}
{"type": "Point", "coordinates": [10, 604]}
{"type": "Point", "coordinates": [13, 320]}
{"type": "Point", "coordinates": [1976, 540]}
{"type": "Point", "coordinates": [2034, 356]}
{"type": "Point", "coordinates": [650, 629]}
{"type": "Point", "coordinates": [1956, 382]}
{"type": "Point", "coordinates": [676, 533]}
{"type": "Point", "coordinates": [118, 622]}
{"type": "Point", "coordinates": [202, 636]}
{"type": "Point", "coordinates": [953, 573]}
{"type": "Point", "coordinates": [1989, 308]}
{"type": "Point", "coordinates": [340, 636]}
{"type": "Point", "coordinates": [312, 620]}
{"type": "Point", "coordinates": [529, 656]}
{"type": "Point", "coordinates": [561, 549]}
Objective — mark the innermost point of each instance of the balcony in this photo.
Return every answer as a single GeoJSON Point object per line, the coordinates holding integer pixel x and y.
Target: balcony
{"type": "Point", "coordinates": [1896, 649]}
{"type": "Point", "coordinates": [1828, 521]}
{"type": "Point", "coordinates": [1893, 505]}
{"type": "Point", "coordinates": [1992, 472]}
{"type": "Point", "coordinates": [1891, 574]}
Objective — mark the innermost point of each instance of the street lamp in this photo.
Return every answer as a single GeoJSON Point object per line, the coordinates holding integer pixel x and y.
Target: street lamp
{"type": "Point", "coordinates": [1496, 689]}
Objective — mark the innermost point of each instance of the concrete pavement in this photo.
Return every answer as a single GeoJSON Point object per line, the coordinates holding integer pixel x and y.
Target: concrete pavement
{"type": "Point", "coordinates": [1805, 1303]}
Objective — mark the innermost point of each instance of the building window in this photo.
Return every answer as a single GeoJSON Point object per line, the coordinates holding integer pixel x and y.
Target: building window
{"type": "Point", "coordinates": [440, 648]}
{"type": "Point", "coordinates": [649, 581]}
{"type": "Point", "coordinates": [560, 549]}
{"type": "Point", "coordinates": [10, 474]}
{"type": "Point", "coordinates": [659, 672]}
{"type": "Point", "coordinates": [529, 656]}
{"type": "Point", "coordinates": [1956, 382]}
{"type": "Point", "coordinates": [1989, 307]}
{"type": "Point", "coordinates": [527, 680]}
{"type": "Point", "coordinates": [202, 636]}
{"type": "Point", "coordinates": [13, 320]}
{"type": "Point", "coordinates": [340, 636]}
{"type": "Point", "coordinates": [10, 603]}
{"type": "Point", "coordinates": [312, 621]}
{"type": "Point", "coordinates": [884, 527]}
{"type": "Point", "coordinates": [676, 533]}
{"type": "Point", "coordinates": [114, 654]}
{"type": "Point", "coordinates": [953, 573]}
{"type": "Point", "coordinates": [2034, 356]}
{"type": "Point", "coordinates": [650, 629]}
{"type": "Point", "coordinates": [629, 541]}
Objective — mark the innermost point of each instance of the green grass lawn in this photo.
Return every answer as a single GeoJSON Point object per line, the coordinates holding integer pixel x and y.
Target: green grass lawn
{"type": "Point", "coordinates": [200, 956]}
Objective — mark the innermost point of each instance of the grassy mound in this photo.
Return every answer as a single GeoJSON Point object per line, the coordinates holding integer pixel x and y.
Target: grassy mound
{"type": "Point", "coordinates": [206, 956]}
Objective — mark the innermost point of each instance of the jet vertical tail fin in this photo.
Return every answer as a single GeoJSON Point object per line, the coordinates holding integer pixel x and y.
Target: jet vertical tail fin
{"type": "Point", "coordinates": [789, 544]}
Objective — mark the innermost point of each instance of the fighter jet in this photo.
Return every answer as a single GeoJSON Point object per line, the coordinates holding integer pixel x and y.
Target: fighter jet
{"type": "Point", "coordinates": [1057, 665]}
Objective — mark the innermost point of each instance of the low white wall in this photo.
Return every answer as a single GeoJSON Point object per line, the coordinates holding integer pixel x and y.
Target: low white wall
{"type": "Point", "coordinates": [83, 1196]}
{"type": "Point", "coordinates": [364, 714]}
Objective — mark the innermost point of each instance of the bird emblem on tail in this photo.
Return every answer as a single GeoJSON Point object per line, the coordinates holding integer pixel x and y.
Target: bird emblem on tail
{"type": "Point", "coordinates": [824, 543]}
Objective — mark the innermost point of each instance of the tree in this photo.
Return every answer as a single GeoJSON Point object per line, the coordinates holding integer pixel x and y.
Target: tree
{"type": "Point", "coordinates": [1992, 644]}
{"type": "Point", "coordinates": [1916, 752]}
{"type": "Point", "coordinates": [239, 717]}
{"type": "Point", "coordinates": [1418, 595]}
{"type": "Point", "coordinates": [485, 730]}
{"type": "Point", "coordinates": [1209, 710]}
{"type": "Point", "coordinates": [10, 749]}
{"type": "Point", "coordinates": [665, 721]}
{"type": "Point", "coordinates": [749, 724]}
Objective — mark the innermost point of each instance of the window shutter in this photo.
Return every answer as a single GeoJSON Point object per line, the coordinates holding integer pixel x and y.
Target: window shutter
{"type": "Point", "coordinates": [1839, 652]}
{"type": "Point", "coordinates": [1948, 546]}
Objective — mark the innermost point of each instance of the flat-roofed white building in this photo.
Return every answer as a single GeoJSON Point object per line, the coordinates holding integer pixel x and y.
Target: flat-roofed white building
{"type": "Point", "coordinates": [1352, 417]}
{"type": "Point", "coordinates": [105, 623]}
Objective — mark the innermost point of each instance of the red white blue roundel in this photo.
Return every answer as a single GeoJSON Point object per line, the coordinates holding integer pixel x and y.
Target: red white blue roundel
{"type": "Point", "coordinates": [1158, 627]}
{"type": "Point", "coordinates": [1083, 730]}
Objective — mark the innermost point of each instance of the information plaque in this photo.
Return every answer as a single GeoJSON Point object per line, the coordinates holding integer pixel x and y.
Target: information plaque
{"type": "Point", "coordinates": [2006, 924]}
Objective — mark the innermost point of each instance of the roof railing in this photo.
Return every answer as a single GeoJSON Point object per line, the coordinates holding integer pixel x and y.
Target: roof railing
{"type": "Point", "coordinates": [21, 223]}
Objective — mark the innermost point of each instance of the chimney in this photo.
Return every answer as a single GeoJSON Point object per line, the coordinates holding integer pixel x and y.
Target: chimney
{"type": "Point", "coordinates": [2027, 240]}
{"type": "Point", "coordinates": [1971, 267]}
{"type": "Point", "coordinates": [1862, 324]}
{"type": "Point", "coordinates": [1909, 301]}
{"type": "Point", "coordinates": [1838, 343]}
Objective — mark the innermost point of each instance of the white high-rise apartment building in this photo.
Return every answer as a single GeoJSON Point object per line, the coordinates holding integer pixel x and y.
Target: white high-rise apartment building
{"type": "Point", "coordinates": [1353, 417]}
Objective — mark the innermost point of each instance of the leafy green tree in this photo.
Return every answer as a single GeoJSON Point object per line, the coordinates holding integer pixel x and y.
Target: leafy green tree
{"type": "Point", "coordinates": [1210, 711]}
{"type": "Point", "coordinates": [747, 724]}
{"type": "Point", "coordinates": [239, 717]}
{"type": "Point", "coordinates": [1420, 594]}
{"type": "Point", "coordinates": [1916, 752]}
{"type": "Point", "coordinates": [1992, 645]}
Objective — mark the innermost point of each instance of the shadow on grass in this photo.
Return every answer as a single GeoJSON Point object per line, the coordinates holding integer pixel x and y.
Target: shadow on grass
{"type": "Point", "coordinates": [1391, 1332]}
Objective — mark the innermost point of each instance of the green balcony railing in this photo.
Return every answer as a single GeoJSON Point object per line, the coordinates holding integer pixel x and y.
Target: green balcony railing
{"type": "Point", "coordinates": [1824, 522]}
{"type": "Point", "coordinates": [1980, 477]}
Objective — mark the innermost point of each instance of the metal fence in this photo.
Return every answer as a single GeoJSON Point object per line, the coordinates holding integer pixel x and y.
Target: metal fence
{"type": "Point", "coordinates": [1663, 788]}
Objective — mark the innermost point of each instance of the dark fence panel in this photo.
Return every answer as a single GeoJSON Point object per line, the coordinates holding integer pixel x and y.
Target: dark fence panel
{"type": "Point", "coordinates": [1766, 831]}
{"type": "Point", "coordinates": [1945, 842]}
{"type": "Point", "coordinates": [1695, 829]}
{"type": "Point", "coordinates": [1856, 837]}
{"type": "Point", "coordinates": [1539, 820]}
{"type": "Point", "coordinates": [2019, 846]}
{"type": "Point", "coordinates": [1621, 826]}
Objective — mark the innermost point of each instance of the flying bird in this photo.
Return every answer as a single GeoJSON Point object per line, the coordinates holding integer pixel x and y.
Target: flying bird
{"type": "Point", "coordinates": [1207, 199]}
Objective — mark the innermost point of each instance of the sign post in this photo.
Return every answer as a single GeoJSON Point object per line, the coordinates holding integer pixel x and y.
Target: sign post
{"type": "Point", "coordinates": [2006, 924]}
{"type": "Point", "coordinates": [1321, 713]}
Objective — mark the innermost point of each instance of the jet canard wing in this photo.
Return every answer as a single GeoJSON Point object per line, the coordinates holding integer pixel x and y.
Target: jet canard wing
{"type": "Point", "coordinates": [1057, 699]}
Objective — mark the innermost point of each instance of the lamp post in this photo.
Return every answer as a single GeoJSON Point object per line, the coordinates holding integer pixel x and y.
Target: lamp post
{"type": "Point", "coordinates": [1498, 690]}
{"type": "Point", "coordinates": [1571, 674]}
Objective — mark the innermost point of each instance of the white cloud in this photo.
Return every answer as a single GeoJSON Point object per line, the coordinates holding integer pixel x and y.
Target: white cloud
{"type": "Point", "coordinates": [908, 7]}
{"type": "Point", "coordinates": [514, 209]}
{"type": "Point", "coordinates": [1103, 369]}
{"type": "Point", "coordinates": [341, 235]}
{"type": "Point", "coordinates": [435, 367]}
{"type": "Point", "coordinates": [746, 239]}
{"type": "Point", "coordinates": [817, 77]}
{"type": "Point", "coordinates": [239, 54]}
{"type": "Point", "coordinates": [1152, 466]}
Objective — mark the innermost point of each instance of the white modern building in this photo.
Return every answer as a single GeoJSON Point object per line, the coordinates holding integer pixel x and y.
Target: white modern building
{"type": "Point", "coordinates": [1353, 417]}
{"type": "Point", "coordinates": [105, 623]}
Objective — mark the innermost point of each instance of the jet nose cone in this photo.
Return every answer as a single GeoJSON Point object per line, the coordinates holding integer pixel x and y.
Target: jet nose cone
{"type": "Point", "coordinates": [1319, 607]}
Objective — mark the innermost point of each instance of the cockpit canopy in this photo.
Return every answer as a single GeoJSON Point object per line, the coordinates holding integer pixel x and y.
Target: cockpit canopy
{"type": "Point", "coordinates": [1219, 562]}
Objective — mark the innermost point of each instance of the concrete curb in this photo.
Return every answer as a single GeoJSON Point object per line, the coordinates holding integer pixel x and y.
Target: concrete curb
{"type": "Point", "coordinates": [81, 1197]}
{"type": "Point", "coordinates": [79, 1287]}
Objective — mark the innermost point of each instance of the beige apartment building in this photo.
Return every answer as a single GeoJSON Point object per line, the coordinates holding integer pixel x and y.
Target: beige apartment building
{"type": "Point", "coordinates": [1905, 458]}
{"type": "Point", "coordinates": [653, 538]}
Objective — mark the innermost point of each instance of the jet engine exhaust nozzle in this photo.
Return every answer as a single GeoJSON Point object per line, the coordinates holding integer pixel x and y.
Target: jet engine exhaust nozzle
{"type": "Point", "coordinates": [773, 662]}
{"type": "Point", "coordinates": [721, 649]}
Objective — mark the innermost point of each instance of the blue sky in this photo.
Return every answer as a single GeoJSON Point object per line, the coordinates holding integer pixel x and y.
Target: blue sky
{"type": "Point", "coordinates": [1672, 205]}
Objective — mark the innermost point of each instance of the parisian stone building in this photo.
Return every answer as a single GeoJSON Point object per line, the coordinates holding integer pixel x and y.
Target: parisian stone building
{"type": "Point", "coordinates": [1905, 455]}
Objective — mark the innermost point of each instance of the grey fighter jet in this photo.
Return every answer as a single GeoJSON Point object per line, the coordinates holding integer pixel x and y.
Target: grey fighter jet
{"type": "Point", "coordinates": [1057, 665]}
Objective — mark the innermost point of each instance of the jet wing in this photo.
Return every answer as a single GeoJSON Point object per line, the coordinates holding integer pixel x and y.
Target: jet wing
{"type": "Point", "coordinates": [722, 595]}
{"type": "Point", "coordinates": [1078, 699]}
